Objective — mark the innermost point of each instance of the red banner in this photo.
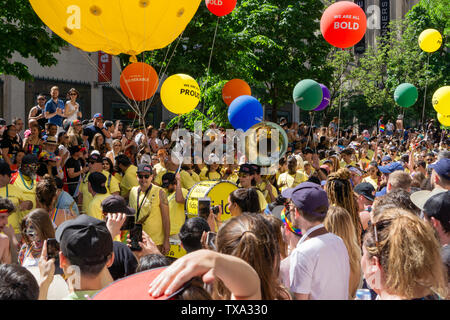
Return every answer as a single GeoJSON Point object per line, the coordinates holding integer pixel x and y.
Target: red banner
{"type": "Point", "coordinates": [104, 67]}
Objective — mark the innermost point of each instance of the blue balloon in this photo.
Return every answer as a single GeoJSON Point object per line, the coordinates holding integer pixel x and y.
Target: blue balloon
{"type": "Point", "coordinates": [244, 112]}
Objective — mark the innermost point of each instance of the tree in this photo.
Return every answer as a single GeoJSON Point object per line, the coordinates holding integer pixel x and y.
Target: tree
{"type": "Point", "coordinates": [271, 44]}
{"type": "Point", "coordinates": [23, 32]}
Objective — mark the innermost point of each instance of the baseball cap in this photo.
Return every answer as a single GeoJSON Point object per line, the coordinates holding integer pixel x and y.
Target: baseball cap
{"type": "Point", "coordinates": [97, 115]}
{"type": "Point", "coordinates": [167, 179]}
{"type": "Point", "coordinates": [391, 167]}
{"type": "Point", "coordinates": [365, 189]}
{"type": "Point", "coordinates": [29, 159]}
{"type": "Point", "coordinates": [85, 240]}
{"type": "Point", "coordinates": [308, 197]}
{"type": "Point", "coordinates": [246, 168]}
{"type": "Point", "coordinates": [75, 122]}
{"type": "Point", "coordinates": [386, 159]}
{"type": "Point", "coordinates": [135, 287]}
{"type": "Point", "coordinates": [2, 122]}
{"type": "Point", "coordinates": [98, 181]}
{"type": "Point", "coordinates": [95, 157]}
{"type": "Point", "coordinates": [256, 168]}
{"type": "Point", "coordinates": [442, 168]}
{"type": "Point", "coordinates": [438, 206]}
{"type": "Point", "coordinates": [419, 198]}
{"type": "Point", "coordinates": [116, 204]}
{"type": "Point", "coordinates": [144, 168]}
{"type": "Point", "coordinates": [4, 168]}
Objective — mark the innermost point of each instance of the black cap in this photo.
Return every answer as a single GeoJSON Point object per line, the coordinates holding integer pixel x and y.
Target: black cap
{"type": "Point", "coordinates": [438, 206]}
{"type": "Point", "coordinates": [123, 160]}
{"type": "Point", "coordinates": [98, 181]}
{"type": "Point", "coordinates": [256, 168]}
{"type": "Point", "coordinates": [144, 168]}
{"type": "Point", "coordinates": [117, 204]}
{"type": "Point", "coordinates": [246, 168]}
{"type": "Point", "coordinates": [75, 149]}
{"type": "Point", "coordinates": [85, 240]}
{"type": "Point", "coordinates": [365, 189]}
{"type": "Point", "coordinates": [29, 159]}
{"type": "Point", "coordinates": [4, 168]}
{"type": "Point", "coordinates": [167, 179]}
{"type": "Point", "coordinates": [2, 122]}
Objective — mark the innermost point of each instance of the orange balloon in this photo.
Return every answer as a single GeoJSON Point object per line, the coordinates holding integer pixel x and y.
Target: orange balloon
{"type": "Point", "coordinates": [235, 88]}
{"type": "Point", "coordinates": [139, 81]}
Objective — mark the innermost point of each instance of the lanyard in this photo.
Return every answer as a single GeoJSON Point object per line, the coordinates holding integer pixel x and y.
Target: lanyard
{"type": "Point", "coordinates": [143, 200]}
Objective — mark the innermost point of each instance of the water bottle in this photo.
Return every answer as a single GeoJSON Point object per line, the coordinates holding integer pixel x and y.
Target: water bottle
{"type": "Point", "coordinates": [363, 294]}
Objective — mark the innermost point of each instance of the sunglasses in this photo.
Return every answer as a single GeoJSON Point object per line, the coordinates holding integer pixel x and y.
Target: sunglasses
{"type": "Point", "coordinates": [41, 99]}
{"type": "Point", "coordinates": [243, 175]}
{"type": "Point", "coordinates": [143, 176]}
{"type": "Point", "coordinates": [73, 94]}
{"type": "Point", "coordinates": [128, 130]}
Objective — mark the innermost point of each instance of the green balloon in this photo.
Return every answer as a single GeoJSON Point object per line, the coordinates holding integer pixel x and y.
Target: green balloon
{"type": "Point", "coordinates": [307, 94]}
{"type": "Point", "coordinates": [406, 95]}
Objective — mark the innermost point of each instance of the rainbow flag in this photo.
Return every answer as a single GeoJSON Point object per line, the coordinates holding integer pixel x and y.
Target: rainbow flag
{"type": "Point", "coordinates": [381, 127]}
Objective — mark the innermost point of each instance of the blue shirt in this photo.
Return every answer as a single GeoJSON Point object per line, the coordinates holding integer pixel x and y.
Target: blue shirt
{"type": "Point", "coordinates": [65, 201]}
{"type": "Point", "coordinates": [50, 107]}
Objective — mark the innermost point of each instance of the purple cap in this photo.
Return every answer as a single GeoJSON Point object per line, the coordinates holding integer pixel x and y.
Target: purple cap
{"type": "Point", "coordinates": [308, 197]}
{"type": "Point", "coordinates": [442, 168]}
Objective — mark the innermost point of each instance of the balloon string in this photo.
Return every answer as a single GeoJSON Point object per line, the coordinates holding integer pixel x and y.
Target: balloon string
{"type": "Point", "coordinates": [95, 66]}
{"type": "Point", "coordinates": [425, 93]}
{"type": "Point", "coordinates": [165, 70]}
{"type": "Point", "coordinates": [209, 62]}
{"type": "Point", "coordinates": [340, 95]}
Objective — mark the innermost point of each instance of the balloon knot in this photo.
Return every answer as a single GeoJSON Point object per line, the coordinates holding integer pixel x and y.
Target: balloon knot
{"type": "Point", "coordinates": [133, 59]}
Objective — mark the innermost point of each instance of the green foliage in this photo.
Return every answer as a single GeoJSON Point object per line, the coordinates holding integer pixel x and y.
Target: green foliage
{"type": "Point", "coordinates": [270, 44]}
{"type": "Point", "coordinates": [23, 32]}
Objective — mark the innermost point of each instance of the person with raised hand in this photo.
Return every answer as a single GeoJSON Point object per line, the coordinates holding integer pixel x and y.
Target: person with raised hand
{"type": "Point", "coordinates": [236, 274]}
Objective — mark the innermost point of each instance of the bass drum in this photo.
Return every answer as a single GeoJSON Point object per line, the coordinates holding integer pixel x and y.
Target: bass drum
{"type": "Point", "coordinates": [218, 191]}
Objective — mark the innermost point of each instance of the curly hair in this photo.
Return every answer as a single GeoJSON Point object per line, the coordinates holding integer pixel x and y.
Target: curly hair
{"type": "Point", "coordinates": [408, 252]}
{"type": "Point", "coordinates": [340, 193]}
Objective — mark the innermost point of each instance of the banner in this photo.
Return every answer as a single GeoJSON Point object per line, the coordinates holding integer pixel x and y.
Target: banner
{"type": "Point", "coordinates": [385, 17]}
{"type": "Point", "coordinates": [104, 67]}
{"type": "Point", "coordinates": [360, 47]}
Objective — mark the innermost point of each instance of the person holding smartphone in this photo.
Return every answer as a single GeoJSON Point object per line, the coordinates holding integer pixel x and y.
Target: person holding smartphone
{"type": "Point", "coordinates": [152, 208]}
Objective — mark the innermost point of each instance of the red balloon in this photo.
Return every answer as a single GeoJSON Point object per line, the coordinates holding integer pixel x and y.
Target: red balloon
{"type": "Point", "coordinates": [220, 7]}
{"type": "Point", "coordinates": [139, 81]}
{"type": "Point", "coordinates": [233, 89]}
{"type": "Point", "coordinates": [343, 24]}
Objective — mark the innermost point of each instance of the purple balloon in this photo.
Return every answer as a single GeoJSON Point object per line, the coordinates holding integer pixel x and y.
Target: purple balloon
{"type": "Point", "coordinates": [325, 100]}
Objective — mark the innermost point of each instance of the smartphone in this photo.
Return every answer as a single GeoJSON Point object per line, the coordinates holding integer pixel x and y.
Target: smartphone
{"type": "Point", "coordinates": [204, 207]}
{"type": "Point", "coordinates": [53, 253]}
{"type": "Point", "coordinates": [211, 240]}
{"type": "Point", "coordinates": [136, 237]}
{"type": "Point", "coordinates": [129, 223]}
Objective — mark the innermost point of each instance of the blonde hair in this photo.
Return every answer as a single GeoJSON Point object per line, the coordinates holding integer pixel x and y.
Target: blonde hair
{"type": "Point", "coordinates": [339, 222]}
{"type": "Point", "coordinates": [408, 252]}
{"type": "Point", "coordinates": [340, 193]}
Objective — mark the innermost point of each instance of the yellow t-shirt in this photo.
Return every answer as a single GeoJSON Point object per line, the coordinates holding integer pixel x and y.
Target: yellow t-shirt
{"type": "Point", "coordinates": [15, 196]}
{"type": "Point", "coordinates": [87, 196]}
{"type": "Point", "coordinates": [150, 214]}
{"type": "Point", "coordinates": [344, 164]}
{"type": "Point", "coordinates": [27, 189]}
{"type": "Point", "coordinates": [262, 200]}
{"type": "Point", "coordinates": [371, 181]}
{"type": "Point", "coordinates": [112, 184]}
{"type": "Point", "coordinates": [95, 207]}
{"type": "Point", "coordinates": [262, 187]}
{"type": "Point", "coordinates": [158, 168]}
{"type": "Point", "coordinates": [176, 211]}
{"type": "Point", "coordinates": [129, 181]}
{"type": "Point", "coordinates": [286, 180]}
{"type": "Point", "coordinates": [158, 178]}
{"type": "Point", "coordinates": [187, 180]}
{"type": "Point", "coordinates": [213, 175]}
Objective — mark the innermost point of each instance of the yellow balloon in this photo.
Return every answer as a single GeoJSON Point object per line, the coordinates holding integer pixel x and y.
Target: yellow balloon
{"type": "Point", "coordinates": [441, 100]}
{"type": "Point", "coordinates": [116, 26]}
{"type": "Point", "coordinates": [180, 93]}
{"type": "Point", "coordinates": [444, 120]}
{"type": "Point", "coordinates": [430, 40]}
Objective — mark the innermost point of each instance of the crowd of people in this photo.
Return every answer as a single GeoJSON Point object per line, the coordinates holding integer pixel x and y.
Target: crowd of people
{"type": "Point", "coordinates": [347, 215]}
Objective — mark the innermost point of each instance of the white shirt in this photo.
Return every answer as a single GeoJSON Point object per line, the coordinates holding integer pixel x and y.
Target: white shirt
{"type": "Point", "coordinates": [71, 107]}
{"type": "Point", "coordinates": [320, 267]}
